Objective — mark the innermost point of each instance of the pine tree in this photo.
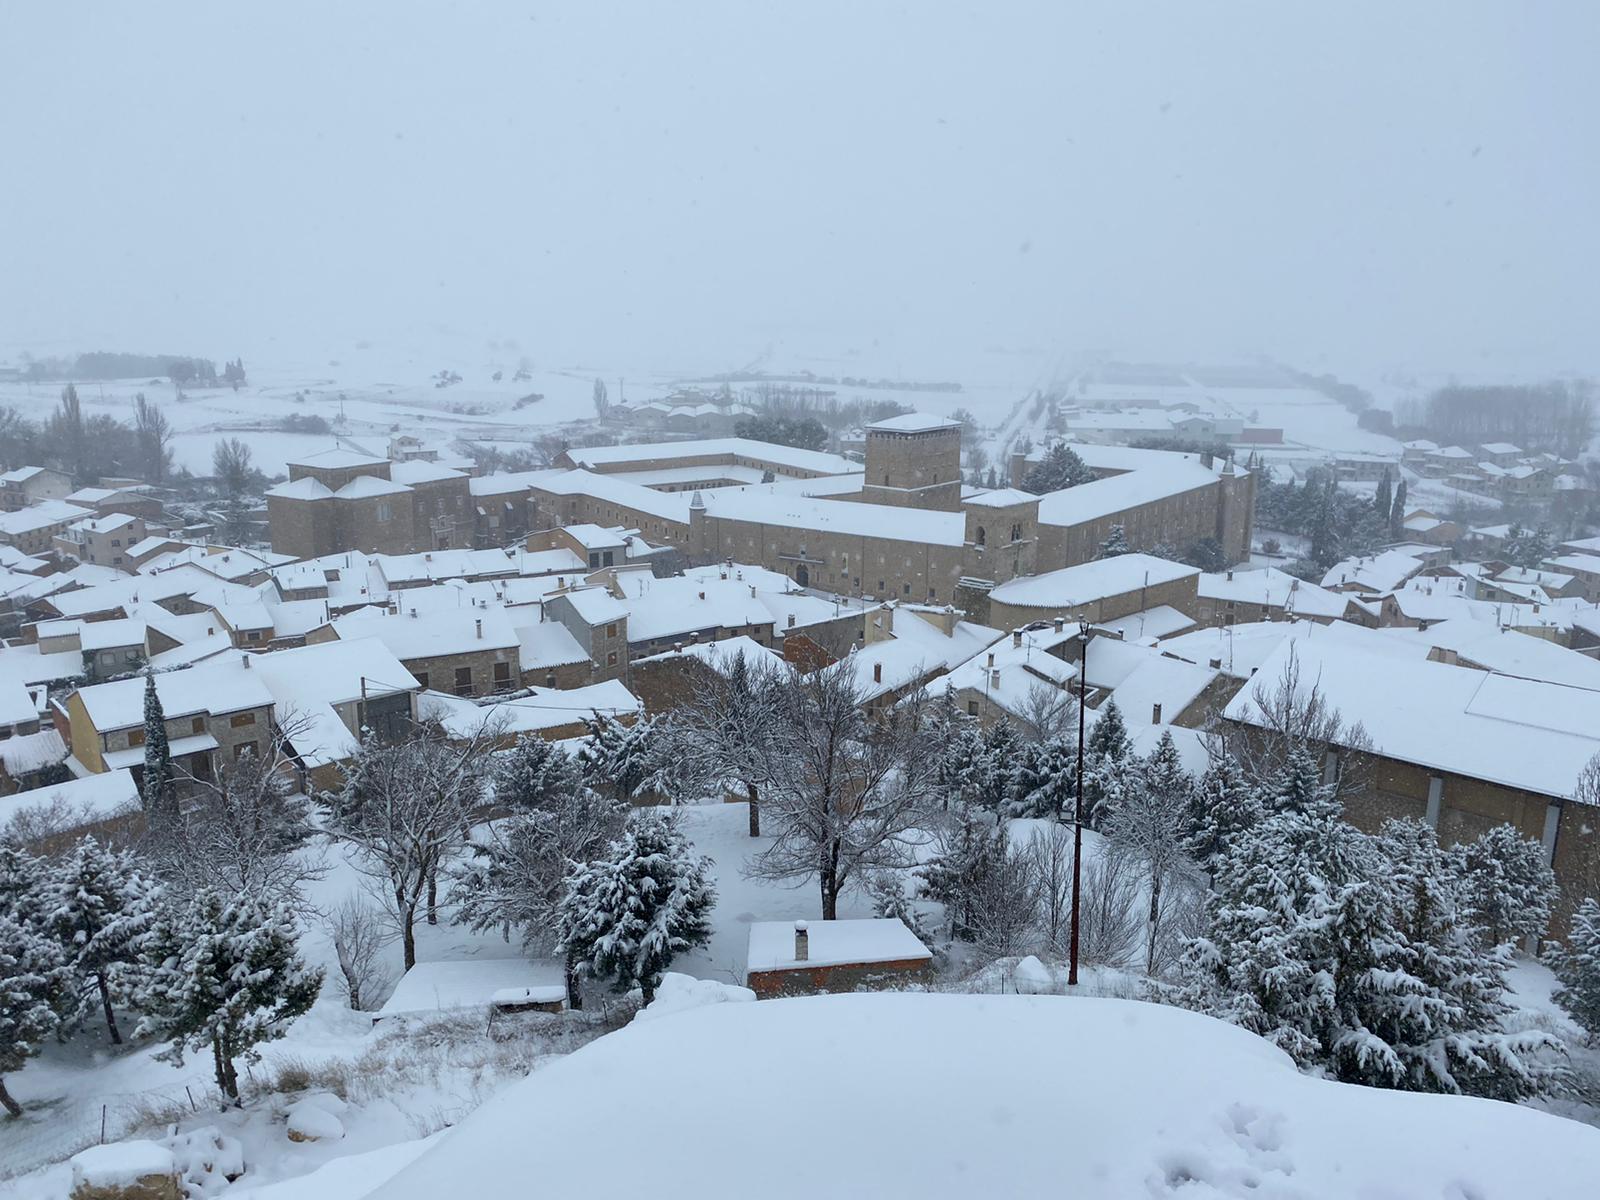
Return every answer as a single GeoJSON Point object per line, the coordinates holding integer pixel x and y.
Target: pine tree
{"type": "Point", "coordinates": [103, 908]}
{"type": "Point", "coordinates": [997, 769]}
{"type": "Point", "coordinates": [1046, 783]}
{"type": "Point", "coordinates": [965, 852]}
{"type": "Point", "coordinates": [1397, 510]}
{"type": "Point", "coordinates": [24, 887]}
{"type": "Point", "coordinates": [1116, 544]}
{"type": "Point", "coordinates": [1107, 754]}
{"type": "Point", "coordinates": [627, 915]}
{"type": "Point", "coordinates": [1224, 804]}
{"type": "Point", "coordinates": [1108, 738]}
{"type": "Point", "coordinates": [159, 788]}
{"type": "Point", "coordinates": [1509, 889]}
{"type": "Point", "coordinates": [1576, 964]}
{"type": "Point", "coordinates": [226, 975]}
{"type": "Point", "coordinates": [533, 774]}
{"type": "Point", "coordinates": [1301, 788]}
{"type": "Point", "coordinates": [616, 758]}
{"type": "Point", "coordinates": [1325, 528]}
{"type": "Point", "coordinates": [1383, 501]}
{"type": "Point", "coordinates": [1060, 468]}
{"type": "Point", "coordinates": [35, 998]}
{"type": "Point", "coordinates": [1147, 819]}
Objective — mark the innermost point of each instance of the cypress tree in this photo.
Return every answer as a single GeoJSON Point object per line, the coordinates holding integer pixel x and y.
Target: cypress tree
{"type": "Point", "coordinates": [159, 790]}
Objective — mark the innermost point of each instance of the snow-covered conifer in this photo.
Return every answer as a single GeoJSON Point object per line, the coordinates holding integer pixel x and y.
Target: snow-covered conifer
{"type": "Point", "coordinates": [533, 774]}
{"type": "Point", "coordinates": [1046, 782]}
{"type": "Point", "coordinates": [1224, 803]}
{"type": "Point", "coordinates": [35, 997]}
{"type": "Point", "coordinates": [226, 975]}
{"type": "Point", "coordinates": [1576, 963]}
{"type": "Point", "coordinates": [159, 787]}
{"type": "Point", "coordinates": [616, 758]}
{"type": "Point", "coordinates": [1147, 819]}
{"type": "Point", "coordinates": [1508, 887]}
{"type": "Point", "coordinates": [24, 886]}
{"type": "Point", "coordinates": [103, 906]}
{"type": "Point", "coordinates": [627, 915]}
{"type": "Point", "coordinates": [1116, 544]}
{"type": "Point", "coordinates": [964, 852]}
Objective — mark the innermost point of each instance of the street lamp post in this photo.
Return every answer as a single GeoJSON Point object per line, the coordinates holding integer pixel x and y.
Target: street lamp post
{"type": "Point", "coordinates": [1077, 818]}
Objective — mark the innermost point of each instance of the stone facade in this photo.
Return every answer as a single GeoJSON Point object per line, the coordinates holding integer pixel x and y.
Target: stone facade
{"type": "Point", "coordinates": [914, 467]}
{"type": "Point", "coordinates": [102, 541]}
{"type": "Point", "coordinates": [350, 502]}
{"type": "Point", "coordinates": [845, 977]}
{"type": "Point", "coordinates": [1177, 593]}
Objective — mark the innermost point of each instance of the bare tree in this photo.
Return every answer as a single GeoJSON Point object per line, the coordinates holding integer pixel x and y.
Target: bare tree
{"type": "Point", "coordinates": [406, 808]}
{"type": "Point", "coordinates": [1287, 714]}
{"type": "Point", "coordinates": [1149, 822]}
{"type": "Point", "coordinates": [231, 465]}
{"type": "Point", "coordinates": [153, 435]}
{"type": "Point", "coordinates": [359, 935]}
{"type": "Point", "coordinates": [844, 794]}
{"type": "Point", "coordinates": [1108, 923]}
{"type": "Point", "coordinates": [719, 735]}
{"type": "Point", "coordinates": [1050, 847]}
{"type": "Point", "coordinates": [1005, 904]}
{"type": "Point", "coordinates": [1048, 712]}
{"type": "Point", "coordinates": [247, 828]}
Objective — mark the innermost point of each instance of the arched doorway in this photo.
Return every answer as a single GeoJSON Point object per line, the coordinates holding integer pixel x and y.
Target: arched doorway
{"type": "Point", "coordinates": [802, 576]}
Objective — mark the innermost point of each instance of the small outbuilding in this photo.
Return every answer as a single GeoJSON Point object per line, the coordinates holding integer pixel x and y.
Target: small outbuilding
{"type": "Point", "coordinates": [502, 984]}
{"type": "Point", "coordinates": [802, 958]}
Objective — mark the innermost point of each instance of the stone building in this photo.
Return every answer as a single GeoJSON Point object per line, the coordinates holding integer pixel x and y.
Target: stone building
{"type": "Point", "coordinates": [33, 529]}
{"type": "Point", "coordinates": [1094, 591]}
{"type": "Point", "coordinates": [1462, 749]}
{"type": "Point", "coordinates": [23, 486]}
{"type": "Point", "coordinates": [914, 461]}
{"type": "Point", "coordinates": [104, 541]}
{"type": "Point", "coordinates": [337, 500]}
{"type": "Point", "coordinates": [598, 622]}
{"type": "Point", "coordinates": [466, 652]}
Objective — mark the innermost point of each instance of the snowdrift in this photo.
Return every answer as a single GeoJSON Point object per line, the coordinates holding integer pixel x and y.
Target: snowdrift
{"type": "Point", "coordinates": [933, 1096]}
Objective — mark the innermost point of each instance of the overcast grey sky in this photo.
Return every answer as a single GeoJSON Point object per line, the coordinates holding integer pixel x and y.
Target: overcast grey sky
{"type": "Point", "coordinates": [689, 182]}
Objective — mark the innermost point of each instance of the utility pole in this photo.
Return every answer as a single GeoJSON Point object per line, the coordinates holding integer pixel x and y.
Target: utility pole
{"type": "Point", "coordinates": [1077, 821]}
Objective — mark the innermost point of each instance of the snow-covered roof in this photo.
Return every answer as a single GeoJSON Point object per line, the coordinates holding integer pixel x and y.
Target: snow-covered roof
{"type": "Point", "coordinates": [363, 487]}
{"type": "Point", "coordinates": [1586, 563]}
{"type": "Point", "coordinates": [40, 516]}
{"type": "Point", "coordinates": [914, 650]}
{"type": "Point", "coordinates": [541, 709]}
{"type": "Point", "coordinates": [1119, 493]}
{"type": "Point", "coordinates": [547, 644]}
{"type": "Point", "coordinates": [1178, 1100]}
{"type": "Point", "coordinates": [1274, 588]}
{"type": "Point", "coordinates": [1001, 498]}
{"type": "Point", "coordinates": [1453, 452]}
{"type": "Point", "coordinates": [31, 751]}
{"type": "Point", "coordinates": [1501, 448]}
{"type": "Point", "coordinates": [1507, 652]}
{"type": "Point", "coordinates": [1374, 572]}
{"type": "Point", "coordinates": [438, 633]}
{"type": "Point", "coordinates": [336, 458]}
{"type": "Point", "coordinates": [913, 422]}
{"type": "Point", "coordinates": [305, 488]}
{"type": "Point", "coordinates": [1161, 621]}
{"type": "Point", "coordinates": [431, 987]}
{"type": "Point", "coordinates": [782, 456]}
{"type": "Point", "coordinates": [837, 516]}
{"type": "Point", "coordinates": [1169, 682]}
{"type": "Point", "coordinates": [420, 470]}
{"type": "Point", "coordinates": [98, 796]}
{"type": "Point", "coordinates": [594, 537]}
{"type": "Point", "coordinates": [1072, 587]}
{"type": "Point", "coordinates": [720, 655]}
{"type": "Point", "coordinates": [596, 606]}
{"type": "Point", "coordinates": [109, 523]}
{"type": "Point", "coordinates": [832, 944]}
{"type": "Point", "coordinates": [1522, 733]}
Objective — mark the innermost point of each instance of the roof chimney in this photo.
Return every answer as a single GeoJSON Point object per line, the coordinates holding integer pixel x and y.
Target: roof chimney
{"type": "Point", "coordinates": [1060, 624]}
{"type": "Point", "coordinates": [1216, 664]}
{"type": "Point", "coordinates": [1230, 574]}
{"type": "Point", "coordinates": [991, 658]}
{"type": "Point", "coordinates": [994, 678]}
{"type": "Point", "coordinates": [479, 624]}
{"type": "Point", "coordinates": [877, 672]}
{"type": "Point", "coordinates": [1155, 713]}
{"type": "Point", "coordinates": [246, 662]}
{"type": "Point", "coordinates": [791, 621]}
{"type": "Point", "coordinates": [1016, 639]}
{"type": "Point", "coordinates": [802, 942]}
{"type": "Point", "coordinates": [752, 591]}
{"type": "Point", "coordinates": [702, 595]}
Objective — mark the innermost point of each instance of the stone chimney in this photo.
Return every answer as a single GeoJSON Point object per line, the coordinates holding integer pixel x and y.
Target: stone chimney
{"type": "Point", "coordinates": [1060, 624]}
{"type": "Point", "coordinates": [802, 942]}
{"type": "Point", "coordinates": [791, 622]}
{"type": "Point", "coordinates": [877, 672]}
{"type": "Point", "coordinates": [1155, 713]}
{"type": "Point", "coordinates": [1016, 639]}
{"type": "Point", "coordinates": [994, 679]}
{"type": "Point", "coordinates": [479, 624]}
{"type": "Point", "coordinates": [880, 624]}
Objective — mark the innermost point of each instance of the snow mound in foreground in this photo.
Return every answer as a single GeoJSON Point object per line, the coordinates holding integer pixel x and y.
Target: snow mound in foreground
{"type": "Point", "coordinates": [679, 993]}
{"type": "Point", "coordinates": [1036, 1095]}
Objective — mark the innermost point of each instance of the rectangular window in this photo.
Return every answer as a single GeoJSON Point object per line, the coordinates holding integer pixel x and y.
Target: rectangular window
{"type": "Point", "coordinates": [197, 724]}
{"type": "Point", "coordinates": [972, 708]}
{"type": "Point", "coordinates": [463, 681]}
{"type": "Point", "coordinates": [611, 659]}
{"type": "Point", "coordinates": [502, 676]}
{"type": "Point", "coordinates": [611, 630]}
{"type": "Point", "coordinates": [240, 720]}
{"type": "Point", "coordinates": [135, 737]}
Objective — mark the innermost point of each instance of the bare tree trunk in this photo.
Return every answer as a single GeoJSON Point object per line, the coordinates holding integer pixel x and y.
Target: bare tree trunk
{"type": "Point", "coordinates": [755, 810]}
{"type": "Point", "coordinates": [433, 897]}
{"type": "Point", "coordinates": [11, 1106]}
{"type": "Point", "coordinates": [105, 1003]}
{"type": "Point", "coordinates": [1155, 924]}
{"type": "Point", "coordinates": [408, 936]}
{"type": "Point", "coordinates": [574, 983]}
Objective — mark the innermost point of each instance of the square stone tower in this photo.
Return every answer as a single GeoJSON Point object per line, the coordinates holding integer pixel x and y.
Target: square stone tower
{"type": "Point", "coordinates": [914, 461]}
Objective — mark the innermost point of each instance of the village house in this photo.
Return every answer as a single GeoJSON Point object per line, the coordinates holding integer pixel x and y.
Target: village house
{"type": "Point", "coordinates": [598, 622]}
{"type": "Point", "coordinates": [550, 713]}
{"type": "Point", "coordinates": [1094, 591]}
{"type": "Point", "coordinates": [1242, 597]}
{"type": "Point", "coordinates": [1463, 750]}
{"type": "Point", "coordinates": [466, 652]}
{"type": "Point", "coordinates": [104, 541]}
{"type": "Point", "coordinates": [24, 486]}
{"type": "Point", "coordinates": [807, 958]}
{"type": "Point", "coordinates": [339, 499]}
{"type": "Point", "coordinates": [33, 529]}
{"type": "Point", "coordinates": [134, 500]}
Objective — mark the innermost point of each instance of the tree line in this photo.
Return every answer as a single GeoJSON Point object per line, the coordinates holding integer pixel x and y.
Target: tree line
{"type": "Point", "coordinates": [1557, 415]}
{"type": "Point", "coordinates": [89, 447]}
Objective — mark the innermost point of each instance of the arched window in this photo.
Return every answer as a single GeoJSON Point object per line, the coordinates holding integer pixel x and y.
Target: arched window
{"type": "Point", "coordinates": [982, 536]}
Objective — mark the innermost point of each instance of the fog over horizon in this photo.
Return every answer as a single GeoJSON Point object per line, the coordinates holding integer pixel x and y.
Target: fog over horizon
{"type": "Point", "coordinates": [916, 188]}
